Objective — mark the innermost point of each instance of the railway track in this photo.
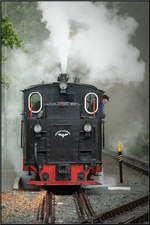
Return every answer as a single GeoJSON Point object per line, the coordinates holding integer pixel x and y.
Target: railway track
{"type": "Point", "coordinates": [85, 212]}
{"type": "Point", "coordinates": [101, 218]}
{"type": "Point", "coordinates": [83, 206]}
{"type": "Point", "coordinates": [140, 219]}
{"type": "Point", "coordinates": [133, 163]}
{"type": "Point", "coordinates": [46, 211]}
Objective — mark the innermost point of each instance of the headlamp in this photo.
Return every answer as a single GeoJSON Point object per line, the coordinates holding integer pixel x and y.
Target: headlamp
{"type": "Point", "coordinates": [87, 127]}
{"type": "Point", "coordinates": [37, 128]}
{"type": "Point", "coordinates": [63, 85]}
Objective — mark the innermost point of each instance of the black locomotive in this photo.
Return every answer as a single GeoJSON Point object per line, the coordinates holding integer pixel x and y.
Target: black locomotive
{"type": "Point", "coordinates": [62, 133]}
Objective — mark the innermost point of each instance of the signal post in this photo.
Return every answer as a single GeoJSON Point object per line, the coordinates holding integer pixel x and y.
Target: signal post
{"type": "Point", "coordinates": [120, 148]}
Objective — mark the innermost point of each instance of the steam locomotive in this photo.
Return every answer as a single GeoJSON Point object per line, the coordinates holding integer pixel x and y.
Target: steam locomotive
{"type": "Point", "coordinates": [62, 133]}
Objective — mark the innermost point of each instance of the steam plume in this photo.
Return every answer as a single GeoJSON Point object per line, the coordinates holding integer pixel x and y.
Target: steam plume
{"type": "Point", "coordinates": [57, 24]}
{"type": "Point", "coordinates": [100, 41]}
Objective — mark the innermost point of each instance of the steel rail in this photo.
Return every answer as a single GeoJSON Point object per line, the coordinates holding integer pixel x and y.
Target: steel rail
{"type": "Point", "coordinates": [133, 163]}
{"type": "Point", "coordinates": [88, 204]}
{"type": "Point", "coordinates": [46, 210]}
{"type": "Point", "coordinates": [83, 206]}
{"type": "Point", "coordinates": [139, 219]}
{"type": "Point", "coordinates": [40, 214]}
{"type": "Point", "coordinates": [78, 206]}
{"type": "Point", "coordinates": [119, 210]}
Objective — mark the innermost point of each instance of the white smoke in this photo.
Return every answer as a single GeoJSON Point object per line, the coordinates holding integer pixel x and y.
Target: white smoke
{"type": "Point", "coordinates": [85, 38]}
{"type": "Point", "coordinates": [101, 40]}
{"type": "Point", "coordinates": [58, 25]}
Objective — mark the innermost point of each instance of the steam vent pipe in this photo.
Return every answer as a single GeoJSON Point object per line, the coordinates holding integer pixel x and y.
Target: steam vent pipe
{"type": "Point", "coordinates": [63, 77]}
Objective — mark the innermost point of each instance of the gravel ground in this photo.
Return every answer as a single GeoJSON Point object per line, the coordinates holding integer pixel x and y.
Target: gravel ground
{"type": "Point", "coordinates": [21, 207]}
{"type": "Point", "coordinates": [103, 200]}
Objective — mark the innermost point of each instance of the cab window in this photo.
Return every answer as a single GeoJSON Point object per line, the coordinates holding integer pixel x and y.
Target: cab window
{"type": "Point", "coordinates": [91, 103]}
{"type": "Point", "coordinates": [35, 102]}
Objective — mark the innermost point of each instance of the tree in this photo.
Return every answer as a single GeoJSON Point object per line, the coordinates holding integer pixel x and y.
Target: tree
{"type": "Point", "coordinates": [27, 20]}
{"type": "Point", "coordinates": [22, 26]}
{"type": "Point", "coordinates": [9, 37]}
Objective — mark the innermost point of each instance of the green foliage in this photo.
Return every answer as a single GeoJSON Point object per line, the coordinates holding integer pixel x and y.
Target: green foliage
{"type": "Point", "coordinates": [9, 37]}
{"type": "Point", "coordinates": [5, 80]}
{"type": "Point", "coordinates": [26, 18]}
{"type": "Point", "coordinates": [21, 27]}
{"type": "Point", "coordinates": [4, 59]}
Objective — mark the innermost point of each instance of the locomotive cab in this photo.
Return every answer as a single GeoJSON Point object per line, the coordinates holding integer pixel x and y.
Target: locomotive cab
{"type": "Point", "coordinates": [62, 136]}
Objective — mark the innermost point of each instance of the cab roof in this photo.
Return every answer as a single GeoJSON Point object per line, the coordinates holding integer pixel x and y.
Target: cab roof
{"type": "Point", "coordinates": [56, 83]}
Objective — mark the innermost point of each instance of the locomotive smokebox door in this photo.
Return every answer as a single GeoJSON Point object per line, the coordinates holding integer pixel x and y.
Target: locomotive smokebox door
{"type": "Point", "coordinates": [63, 133]}
{"type": "Point", "coordinates": [64, 144]}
